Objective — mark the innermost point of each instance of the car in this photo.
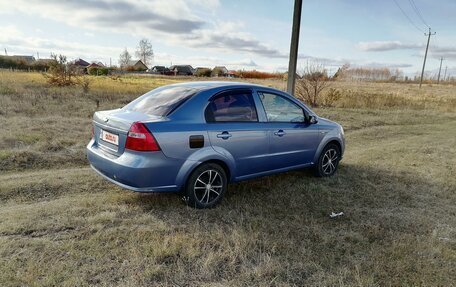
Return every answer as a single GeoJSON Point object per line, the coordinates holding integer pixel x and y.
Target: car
{"type": "Point", "coordinates": [198, 137]}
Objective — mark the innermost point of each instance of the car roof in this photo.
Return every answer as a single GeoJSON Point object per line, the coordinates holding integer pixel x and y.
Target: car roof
{"type": "Point", "coordinates": [208, 85]}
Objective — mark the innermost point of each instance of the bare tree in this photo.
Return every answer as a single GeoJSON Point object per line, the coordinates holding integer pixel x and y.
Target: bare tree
{"type": "Point", "coordinates": [342, 72]}
{"type": "Point", "coordinates": [124, 58]}
{"type": "Point", "coordinates": [144, 51]}
{"type": "Point", "coordinates": [314, 80]}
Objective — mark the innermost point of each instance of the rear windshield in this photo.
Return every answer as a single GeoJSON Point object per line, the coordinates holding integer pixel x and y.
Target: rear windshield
{"type": "Point", "coordinates": [161, 101]}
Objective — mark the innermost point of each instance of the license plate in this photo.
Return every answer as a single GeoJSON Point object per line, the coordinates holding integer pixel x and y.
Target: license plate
{"type": "Point", "coordinates": [109, 137]}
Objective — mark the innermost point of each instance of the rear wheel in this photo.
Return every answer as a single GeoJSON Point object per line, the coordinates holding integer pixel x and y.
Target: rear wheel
{"type": "Point", "coordinates": [328, 161]}
{"type": "Point", "coordinates": [206, 186]}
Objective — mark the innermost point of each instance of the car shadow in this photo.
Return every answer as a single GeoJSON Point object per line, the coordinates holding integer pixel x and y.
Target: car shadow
{"type": "Point", "coordinates": [284, 220]}
{"type": "Point", "coordinates": [354, 190]}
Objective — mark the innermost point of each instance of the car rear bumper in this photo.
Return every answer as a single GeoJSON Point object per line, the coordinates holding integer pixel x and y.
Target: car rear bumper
{"type": "Point", "coordinates": [136, 171]}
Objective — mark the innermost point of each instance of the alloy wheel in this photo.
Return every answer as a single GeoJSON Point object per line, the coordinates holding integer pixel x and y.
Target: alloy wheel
{"type": "Point", "coordinates": [329, 161]}
{"type": "Point", "coordinates": [208, 186]}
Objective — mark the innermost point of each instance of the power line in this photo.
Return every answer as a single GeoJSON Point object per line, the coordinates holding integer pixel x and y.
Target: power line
{"type": "Point", "coordinates": [417, 11]}
{"type": "Point", "coordinates": [408, 18]}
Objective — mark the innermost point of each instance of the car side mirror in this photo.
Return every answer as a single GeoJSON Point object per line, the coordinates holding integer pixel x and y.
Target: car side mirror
{"type": "Point", "coordinates": [312, 119]}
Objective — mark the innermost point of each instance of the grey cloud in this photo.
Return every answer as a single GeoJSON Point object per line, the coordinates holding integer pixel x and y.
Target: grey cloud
{"type": "Point", "coordinates": [444, 49]}
{"type": "Point", "coordinates": [325, 61]}
{"type": "Point", "coordinates": [119, 13]}
{"type": "Point", "coordinates": [380, 46]}
{"type": "Point", "coordinates": [447, 52]}
{"type": "Point", "coordinates": [387, 65]}
{"type": "Point", "coordinates": [236, 43]}
{"type": "Point", "coordinates": [436, 52]}
{"type": "Point", "coordinates": [247, 63]}
{"type": "Point", "coordinates": [150, 20]}
{"type": "Point", "coordinates": [178, 27]}
{"type": "Point", "coordinates": [328, 62]}
{"type": "Point", "coordinates": [449, 55]}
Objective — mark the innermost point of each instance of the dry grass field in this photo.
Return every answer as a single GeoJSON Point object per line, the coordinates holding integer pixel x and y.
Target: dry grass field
{"type": "Point", "coordinates": [62, 225]}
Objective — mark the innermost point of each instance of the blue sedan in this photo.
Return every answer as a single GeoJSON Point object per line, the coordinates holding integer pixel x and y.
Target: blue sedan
{"type": "Point", "coordinates": [197, 137]}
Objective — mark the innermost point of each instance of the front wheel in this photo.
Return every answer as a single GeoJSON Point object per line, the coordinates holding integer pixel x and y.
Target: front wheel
{"type": "Point", "coordinates": [328, 161]}
{"type": "Point", "coordinates": [206, 186]}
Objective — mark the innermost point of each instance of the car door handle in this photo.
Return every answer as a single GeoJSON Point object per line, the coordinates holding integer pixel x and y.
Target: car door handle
{"type": "Point", "coordinates": [279, 133]}
{"type": "Point", "coordinates": [224, 135]}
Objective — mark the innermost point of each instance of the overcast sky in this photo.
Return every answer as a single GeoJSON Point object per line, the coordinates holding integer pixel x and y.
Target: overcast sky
{"type": "Point", "coordinates": [250, 34]}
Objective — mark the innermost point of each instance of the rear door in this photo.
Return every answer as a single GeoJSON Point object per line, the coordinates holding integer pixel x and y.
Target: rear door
{"type": "Point", "coordinates": [234, 130]}
{"type": "Point", "coordinates": [293, 141]}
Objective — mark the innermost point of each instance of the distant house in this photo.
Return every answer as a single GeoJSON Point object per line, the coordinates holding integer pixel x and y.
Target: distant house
{"type": "Point", "coordinates": [81, 63]}
{"type": "Point", "coordinates": [96, 65]}
{"type": "Point", "coordinates": [136, 65]}
{"type": "Point", "coordinates": [232, 74]}
{"type": "Point", "coordinates": [160, 70]}
{"type": "Point", "coordinates": [219, 71]}
{"type": "Point", "coordinates": [182, 70]}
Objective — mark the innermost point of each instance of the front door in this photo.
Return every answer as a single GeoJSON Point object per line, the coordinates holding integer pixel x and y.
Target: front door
{"type": "Point", "coordinates": [293, 141]}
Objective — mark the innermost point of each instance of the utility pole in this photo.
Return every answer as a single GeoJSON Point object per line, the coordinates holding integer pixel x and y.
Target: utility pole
{"type": "Point", "coordinates": [294, 47]}
{"type": "Point", "coordinates": [440, 69]}
{"type": "Point", "coordinates": [444, 75]}
{"type": "Point", "coordinates": [425, 54]}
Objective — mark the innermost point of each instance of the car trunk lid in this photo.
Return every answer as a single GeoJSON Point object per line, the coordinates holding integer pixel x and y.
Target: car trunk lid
{"type": "Point", "coordinates": [111, 128]}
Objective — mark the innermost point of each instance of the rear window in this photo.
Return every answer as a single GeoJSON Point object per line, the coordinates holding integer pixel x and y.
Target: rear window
{"type": "Point", "coordinates": [161, 101]}
{"type": "Point", "coordinates": [232, 107]}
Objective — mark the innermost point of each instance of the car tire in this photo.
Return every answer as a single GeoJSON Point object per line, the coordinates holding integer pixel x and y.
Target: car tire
{"type": "Point", "coordinates": [206, 186]}
{"type": "Point", "coordinates": [328, 161]}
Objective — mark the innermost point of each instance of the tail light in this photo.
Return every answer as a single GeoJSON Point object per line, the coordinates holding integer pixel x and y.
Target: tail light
{"type": "Point", "coordinates": [139, 138]}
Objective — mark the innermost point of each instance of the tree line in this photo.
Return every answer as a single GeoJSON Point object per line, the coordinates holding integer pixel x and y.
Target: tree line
{"type": "Point", "coordinates": [11, 63]}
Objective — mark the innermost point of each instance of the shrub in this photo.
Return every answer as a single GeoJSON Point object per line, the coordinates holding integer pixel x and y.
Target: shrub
{"type": "Point", "coordinates": [14, 64]}
{"type": "Point", "coordinates": [85, 84]}
{"type": "Point", "coordinates": [62, 73]}
{"type": "Point", "coordinates": [98, 71]}
{"type": "Point", "coordinates": [331, 97]}
{"type": "Point", "coordinates": [41, 65]}
{"type": "Point", "coordinates": [206, 72]}
{"type": "Point", "coordinates": [134, 69]}
{"type": "Point", "coordinates": [258, 75]}
{"type": "Point", "coordinates": [7, 63]}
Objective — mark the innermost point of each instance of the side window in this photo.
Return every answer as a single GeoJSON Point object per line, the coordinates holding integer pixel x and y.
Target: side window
{"type": "Point", "coordinates": [232, 107]}
{"type": "Point", "coordinates": [280, 109]}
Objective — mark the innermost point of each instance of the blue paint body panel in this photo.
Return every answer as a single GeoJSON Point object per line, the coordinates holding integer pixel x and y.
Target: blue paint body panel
{"type": "Point", "coordinates": [252, 149]}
